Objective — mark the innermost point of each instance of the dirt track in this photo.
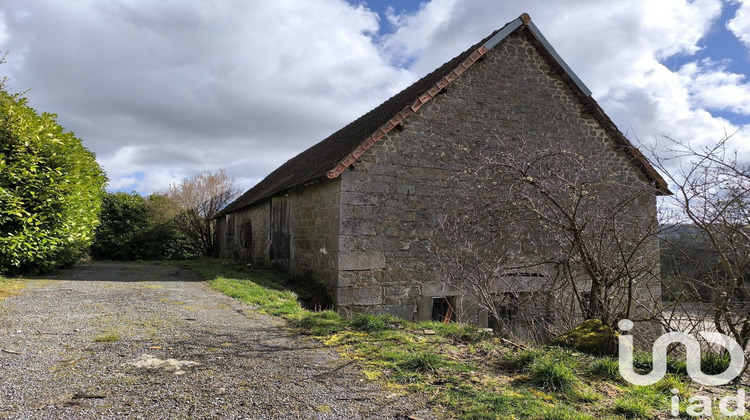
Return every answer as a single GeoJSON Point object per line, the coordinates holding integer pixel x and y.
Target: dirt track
{"type": "Point", "coordinates": [96, 341]}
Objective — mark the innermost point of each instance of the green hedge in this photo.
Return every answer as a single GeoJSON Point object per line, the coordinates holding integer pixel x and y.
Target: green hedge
{"type": "Point", "coordinates": [50, 190]}
{"type": "Point", "coordinates": [134, 227]}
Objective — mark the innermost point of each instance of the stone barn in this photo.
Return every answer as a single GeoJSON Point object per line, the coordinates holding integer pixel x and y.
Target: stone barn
{"type": "Point", "coordinates": [357, 211]}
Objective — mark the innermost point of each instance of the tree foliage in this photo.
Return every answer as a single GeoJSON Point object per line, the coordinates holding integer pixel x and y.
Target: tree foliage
{"type": "Point", "coordinates": [200, 198]}
{"type": "Point", "coordinates": [134, 227]}
{"type": "Point", "coordinates": [50, 190]}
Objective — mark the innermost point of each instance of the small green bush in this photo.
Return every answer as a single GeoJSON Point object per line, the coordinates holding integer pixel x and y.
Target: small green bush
{"type": "Point", "coordinates": [548, 373]}
{"type": "Point", "coordinates": [715, 363]}
{"type": "Point", "coordinates": [606, 368]}
{"type": "Point", "coordinates": [368, 323]}
{"type": "Point", "coordinates": [319, 323]}
{"type": "Point", "coordinates": [422, 362]}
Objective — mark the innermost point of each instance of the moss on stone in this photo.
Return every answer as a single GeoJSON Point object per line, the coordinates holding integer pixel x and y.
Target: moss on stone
{"type": "Point", "coordinates": [591, 337]}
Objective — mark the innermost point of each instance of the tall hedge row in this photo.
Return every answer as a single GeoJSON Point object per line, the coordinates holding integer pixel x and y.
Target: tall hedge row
{"type": "Point", "coordinates": [51, 190]}
{"type": "Point", "coordinates": [134, 227]}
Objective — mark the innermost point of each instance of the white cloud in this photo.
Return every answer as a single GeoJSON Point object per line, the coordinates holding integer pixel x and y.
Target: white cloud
{"type": "Point", "coordinates": [711, 86]}
{"type": "Point", "coordinates": [3, 28]}
{"type": "Point", "coordinates": [739, 25]}
{"type": "Point", "coordinates": [161, 90]}
{"type": "Point", "coordinates": [616, 48]}
{"type": "Point", "coordinates": [196, 88]}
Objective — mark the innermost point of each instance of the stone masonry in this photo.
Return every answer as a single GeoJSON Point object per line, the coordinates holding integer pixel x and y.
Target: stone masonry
{"type": "Point", "coordinates": [367, 234]}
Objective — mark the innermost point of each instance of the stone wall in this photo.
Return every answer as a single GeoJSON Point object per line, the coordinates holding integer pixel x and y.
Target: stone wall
{"type": "Point", "coordinates": [220, 230]}
{"type": "Point", "coordinates": [315, 229]}
{"type": "Point", "coordinates": [390, 197]}
{"type": "Point", "coordinates": [251, 239]}
{"type": "Point", "coordinates": [313, 226]}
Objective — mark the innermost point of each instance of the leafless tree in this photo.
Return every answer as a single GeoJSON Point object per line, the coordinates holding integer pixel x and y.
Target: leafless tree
{"type": "Point", "coordinates": [540, 219]}
{"type": "Point", "coordinates": [200, 198]}
{"type": "Point", "coordinates": [712, 205]}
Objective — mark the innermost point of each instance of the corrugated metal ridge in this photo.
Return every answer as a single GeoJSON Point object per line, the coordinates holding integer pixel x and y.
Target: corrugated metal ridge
{"type": "Point", "coordinates": [406, 112]}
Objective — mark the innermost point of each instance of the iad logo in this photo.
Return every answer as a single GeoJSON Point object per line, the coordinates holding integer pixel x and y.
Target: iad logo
{"type": "Point", "coordinates": [699, 405]}
{"type": "Point", "coordinates": [692, 356]}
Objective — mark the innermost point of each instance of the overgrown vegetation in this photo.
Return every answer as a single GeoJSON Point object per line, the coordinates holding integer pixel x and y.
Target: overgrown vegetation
{"type": "Point", "coordinates": [465, 372]}
{"type": "Point", "coordinates": [8, 287]}
{"type": "Point", "coordinates": [198, 200]}
{"type": "Point", "coordinates": [108, 337]}
{"type": "Point", "coordinates": [134, 227]}
{"type": "Point", "coordinates": [174, 225]}
{"type": "Point", "coordinates": [50, 190]}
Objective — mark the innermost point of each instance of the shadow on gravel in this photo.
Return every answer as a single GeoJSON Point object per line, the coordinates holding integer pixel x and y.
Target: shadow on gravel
{"type": "Point", "coordinates": [122, 271]}
{"type": "Point", "coordinates": [262, 347]}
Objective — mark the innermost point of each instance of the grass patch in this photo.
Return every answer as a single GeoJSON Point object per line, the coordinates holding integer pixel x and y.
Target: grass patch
{"type": "Point", "coordinates": [422, 362]}
{"type": "Point", "coordinates": [274, 302]}
{"type": "Point", "coordinates": [464, 372]}
{"type": "Point", "coordinates": [643, 362]}
{"type": "Point", "coordinates": [563, 413]}
{"type": "Point", "coordinates": [632, 408]}
{"type": "Point", "coordinates": [714, 363]}
{"type": "Point", "coordinates": [307, 294]}
{"type": "Point", "coordinates": [319, 323]}
{"type": "Point", "coordinates": [10, 287]}
{"type": "Point", "coordinates": [110, 337]}
{"type": "Point", "coordinates": [368, 323]}
{"type": "Point", "coordinates": [606, 368]}
{"type": "Point", "coordinates": [455, 331]}
{"type": "Point", "coordinates": [554, 374]}
{"type": "Point", "coordinates": [516, 361]}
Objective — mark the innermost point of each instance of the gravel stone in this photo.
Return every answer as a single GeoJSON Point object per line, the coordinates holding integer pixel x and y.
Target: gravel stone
{"type": "Point", "coordinates": [118, 340]}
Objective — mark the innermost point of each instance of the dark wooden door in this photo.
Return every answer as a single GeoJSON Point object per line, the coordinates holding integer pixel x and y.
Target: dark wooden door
{"type": "Point", "coordinates": [280, 232]}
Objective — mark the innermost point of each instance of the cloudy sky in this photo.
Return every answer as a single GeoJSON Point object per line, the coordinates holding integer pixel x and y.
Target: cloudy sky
{"type": "Point", "coordinates": [164, 89]}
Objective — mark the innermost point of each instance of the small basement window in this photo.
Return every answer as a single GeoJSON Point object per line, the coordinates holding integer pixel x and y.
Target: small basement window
{"type": "Point", "coordinates": [444, 309]}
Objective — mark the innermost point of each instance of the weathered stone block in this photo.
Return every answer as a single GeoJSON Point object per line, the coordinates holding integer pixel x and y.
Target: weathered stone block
{"type": "Point", "coordinates": [347, 296]}
{"type": "Point", "coordinates": [400, 291]}
{"type": "Point", "coordinates": [357, 198]}
{"type": "Point", "coordinates": [402, 311]}
{"type": "Point", "coordinates": [359, 261]}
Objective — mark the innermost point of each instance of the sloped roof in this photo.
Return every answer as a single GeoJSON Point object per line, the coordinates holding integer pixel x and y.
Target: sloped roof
{"type": "Point", "coordinates": [330, 157]}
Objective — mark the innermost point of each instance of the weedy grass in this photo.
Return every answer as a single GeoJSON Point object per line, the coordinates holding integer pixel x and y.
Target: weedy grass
{"type": "Point", "coordinates": [108, 337]}
{"type": "Point", "coordinates": [516, 361]}
{"type": "Point", "coordinates": [606, 368]}
{"type": "Point", "coordinates": [10, 286]}
{"type": "Point", "coordinates": [553, 373]}
{"type": "Point", "coordinates": [714, 363]}
{"type": "Point", "coordinates": [368, 323]}
{"type": "Point", "coordinates": [464, 371]}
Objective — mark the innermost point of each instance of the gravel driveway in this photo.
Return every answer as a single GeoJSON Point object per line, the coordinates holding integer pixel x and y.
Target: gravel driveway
{"type": "Point", "coordinates": [141, 341]}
